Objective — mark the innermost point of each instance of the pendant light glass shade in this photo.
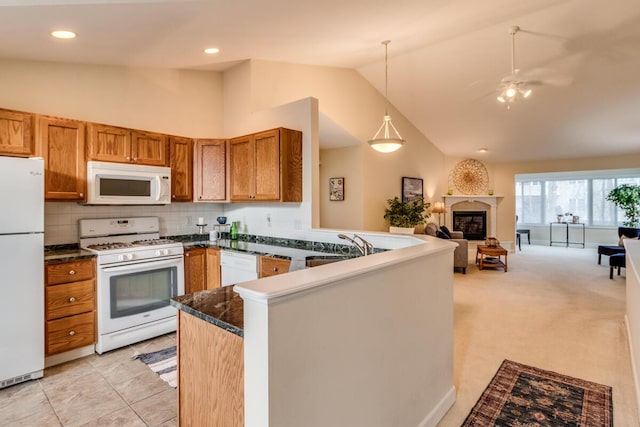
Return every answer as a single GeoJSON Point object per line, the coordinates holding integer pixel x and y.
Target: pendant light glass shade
{"type": "Point", "coordinates": [387, 139]}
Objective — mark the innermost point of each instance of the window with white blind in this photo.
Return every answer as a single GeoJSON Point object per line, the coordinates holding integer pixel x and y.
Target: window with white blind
{"type": "Point", "coordinates": [540, 198]}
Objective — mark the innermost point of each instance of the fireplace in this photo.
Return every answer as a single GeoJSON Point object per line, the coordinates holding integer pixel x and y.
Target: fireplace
{"type": "Point", "coordinates": [473, 224]}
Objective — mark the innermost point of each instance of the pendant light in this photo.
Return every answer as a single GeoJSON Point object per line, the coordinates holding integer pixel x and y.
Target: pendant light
{"type": "Point", "coordinates": [513, 88]}
{"type": "Point", "coordinates": [383, 141]}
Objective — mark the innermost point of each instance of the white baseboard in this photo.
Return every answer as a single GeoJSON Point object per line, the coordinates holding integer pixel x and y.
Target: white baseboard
{"type": "Point", "coordinates": [436, 414]}
{"type": "Point", "coordinates": [634, 368]}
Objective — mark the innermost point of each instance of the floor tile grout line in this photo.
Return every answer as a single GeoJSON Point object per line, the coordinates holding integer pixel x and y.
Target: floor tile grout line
{"type": "Point", "coordinates": [49, 402]}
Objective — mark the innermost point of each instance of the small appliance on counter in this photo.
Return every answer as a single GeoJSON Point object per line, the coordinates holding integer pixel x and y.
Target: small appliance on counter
{"type": "Point", "coordinates": [21, 264]}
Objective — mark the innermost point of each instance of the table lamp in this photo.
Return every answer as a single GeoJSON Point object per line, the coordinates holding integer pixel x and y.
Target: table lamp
{"type": "Point", "coordinates": [439, 208]}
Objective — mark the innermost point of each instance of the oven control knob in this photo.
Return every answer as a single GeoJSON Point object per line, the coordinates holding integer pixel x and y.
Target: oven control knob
{"type": "Point", "coordinates": [120, 257]}
{"type": "Point", "coordinates": [129, 257]}
{"type": "Point", "coordinates": [165, 252]}
{"type": "Point", "coordinates": [158, 253]}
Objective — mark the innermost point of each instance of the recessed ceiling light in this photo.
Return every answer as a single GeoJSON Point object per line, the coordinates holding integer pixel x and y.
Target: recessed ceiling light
{"type": "Point", "coordinates": [63, 34]}
{"type": "Point", "coordinates": [482, 150]}
{"type": "Point", "coordinates": [211, 50]}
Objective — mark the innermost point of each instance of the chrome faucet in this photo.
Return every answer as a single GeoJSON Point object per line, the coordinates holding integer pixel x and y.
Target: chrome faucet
{"type": "Point", "coordinates": [366, 248]}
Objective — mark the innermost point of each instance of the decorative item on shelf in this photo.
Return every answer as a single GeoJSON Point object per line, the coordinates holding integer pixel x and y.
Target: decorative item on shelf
{"type": "Point", "coordinates": [575, 219]}
{"type": "Point", "coordinates": [336, 189]}
{"type": "Point", "coordinates": [490, 192]}
{"type": "Point", "coordinates": [222, 220]}
{"type": "Point", "coordinates": [449, 192]}
{"type": "Point", "coordinates": [406, 215]}
{"type": "Point", "coordinates": [386, 143]}
{"type": "Point", "coordinates": [559, 218]}
{"type": "Point", "coordinates": [492, 242]}
{"type": "Point", "coordinates": [439, 208]}
{"type": "Point", "coordinates": [470, 177]}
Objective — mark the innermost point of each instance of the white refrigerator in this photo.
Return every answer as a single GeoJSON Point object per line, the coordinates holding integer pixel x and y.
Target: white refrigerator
{"type": "Point", "coordinates": [21, 269]}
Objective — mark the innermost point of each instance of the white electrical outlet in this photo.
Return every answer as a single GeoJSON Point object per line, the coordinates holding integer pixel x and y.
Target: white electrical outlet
{"type": "Point", "coordinates": [189, 220]}
{"type": "Point", "coordinates": [268, 220]}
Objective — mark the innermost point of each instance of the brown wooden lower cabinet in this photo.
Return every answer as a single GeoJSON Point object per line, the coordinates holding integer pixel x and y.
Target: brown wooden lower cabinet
{"type": "Point", "coordinates": [210, 374]}
{"type": "Point", "coordinates": [201, 269]}
{"type": "Point", "coordinates": [70, 305]}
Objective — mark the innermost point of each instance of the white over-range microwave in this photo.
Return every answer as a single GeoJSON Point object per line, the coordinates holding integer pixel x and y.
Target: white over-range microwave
{"type": "Point", "coordinates": [127, 184]}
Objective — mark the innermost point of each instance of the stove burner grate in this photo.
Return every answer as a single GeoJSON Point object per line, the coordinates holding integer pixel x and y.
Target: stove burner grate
{"type": "Point", "coordinates": [153, 242]}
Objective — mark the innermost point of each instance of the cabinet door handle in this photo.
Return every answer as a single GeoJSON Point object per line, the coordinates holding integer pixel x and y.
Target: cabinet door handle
{"type": "Point", "coordinates": [187, 254]}
{"type": "Point", "coordinates": [275, 269]}
{"type": "Point", "coordinates": [72, 299]}
{"type": "Point", "coordinates": [128, 158]}
{"type": "Point", "coordinates": [135, 159]}
{"type": "Point", "coordinates": [72, 272]}
{"type": "Point", "coordinates": [81, 194]}
{"type": "Point", "coordinates": [72, 333]}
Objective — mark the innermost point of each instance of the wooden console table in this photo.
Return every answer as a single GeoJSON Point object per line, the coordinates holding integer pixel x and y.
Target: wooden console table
{"type": "Point", "coordinates": [566, 240]}
{"type": "Point", "coordinates": [483, 251]}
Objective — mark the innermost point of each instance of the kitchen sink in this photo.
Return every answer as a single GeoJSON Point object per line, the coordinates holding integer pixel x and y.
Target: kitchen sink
{"type": "Point", "coordinates": [316, 260]}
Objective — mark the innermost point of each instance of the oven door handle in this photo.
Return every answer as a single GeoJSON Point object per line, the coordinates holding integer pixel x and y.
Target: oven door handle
{"type": "Point", "coordinates": [165, 262]}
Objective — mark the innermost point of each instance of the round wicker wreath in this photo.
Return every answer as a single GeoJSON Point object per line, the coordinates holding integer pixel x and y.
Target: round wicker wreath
{"type": "Point", "coordinates": [470, 177]}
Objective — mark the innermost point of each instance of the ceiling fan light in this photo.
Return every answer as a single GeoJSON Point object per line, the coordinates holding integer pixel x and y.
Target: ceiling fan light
{"type": "Point", "coordinates": [511, 92]}
{"type": "Point", "coordinates": [526, 93]}
{"type": "Point", "coordinates": [501, 99]}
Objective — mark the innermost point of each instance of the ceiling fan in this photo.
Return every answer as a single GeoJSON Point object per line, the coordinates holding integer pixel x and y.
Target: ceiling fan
{"type": "Point", "coordinates": [513, 87]}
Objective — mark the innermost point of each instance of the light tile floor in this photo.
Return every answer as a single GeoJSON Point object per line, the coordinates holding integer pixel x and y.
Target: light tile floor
{"type": "Point", "coordinates": [97, 390]}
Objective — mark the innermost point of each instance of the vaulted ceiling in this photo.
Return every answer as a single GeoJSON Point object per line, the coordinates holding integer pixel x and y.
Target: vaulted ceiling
{"type": "Point", "coordinates": [446, 59]}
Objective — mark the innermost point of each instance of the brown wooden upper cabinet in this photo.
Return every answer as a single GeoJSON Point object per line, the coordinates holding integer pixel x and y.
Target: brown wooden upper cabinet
{"type": "Point", "coordinates": [61, 143]}
{"type": "Point", "coordinates": [113, 144]}
{"type": "Point", "coordinates": [266, 166]}
{"type": "Point", "coordinates": [16, 134]}
{"type": "Point", "coordinates": [181, 161]}
{"type": "Point", "coordinates": [210, 170]}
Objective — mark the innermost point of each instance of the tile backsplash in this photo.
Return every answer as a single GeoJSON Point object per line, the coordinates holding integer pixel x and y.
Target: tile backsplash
{"type": "Point", "coordinates": [61, 218]}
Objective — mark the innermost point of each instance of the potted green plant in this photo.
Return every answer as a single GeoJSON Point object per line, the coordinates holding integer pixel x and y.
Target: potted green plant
{"type": "Point", "coordinates": [404, 216]}
{"type": "Point", "coordinates": [627, 198]}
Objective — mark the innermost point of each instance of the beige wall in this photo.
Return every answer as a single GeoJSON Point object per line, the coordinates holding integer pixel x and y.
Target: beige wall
{"type": "Point", "coordinates": [343, 162]}
{"type": "Point", "coordinates": [348, 100]}
{"type": "Point", "coordinates": [178, 102]}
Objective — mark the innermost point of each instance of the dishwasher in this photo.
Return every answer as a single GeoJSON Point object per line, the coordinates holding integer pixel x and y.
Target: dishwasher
{"type": "Point", "coordinates": [237, 267]}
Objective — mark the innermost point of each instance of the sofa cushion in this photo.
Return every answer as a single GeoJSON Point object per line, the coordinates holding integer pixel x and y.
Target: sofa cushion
{"type": "Point", "coordinates": [623, 238]}
{"type": "Point", "coordinates": [442, 235]}
{"type": "Point", "coordinates": [431, 229]}
{"type": "Point", "coordinates": [445, 230]}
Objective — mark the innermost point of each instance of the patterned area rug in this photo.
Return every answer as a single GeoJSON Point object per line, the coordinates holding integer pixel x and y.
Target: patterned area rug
{"type": "Point", "coordinates": [163, 363]}
{"type": "Point", "coordinates": [520, 395]}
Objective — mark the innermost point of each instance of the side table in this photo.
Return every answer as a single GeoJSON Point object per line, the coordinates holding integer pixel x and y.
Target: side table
{"type": "Point", "coordinates": [566, 240]}
{"type": "Point", "coordinates": [498, 251]}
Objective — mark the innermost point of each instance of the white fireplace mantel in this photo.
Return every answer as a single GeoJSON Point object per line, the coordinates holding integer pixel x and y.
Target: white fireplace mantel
{"type": "Point", "coordinates": [492, 201]}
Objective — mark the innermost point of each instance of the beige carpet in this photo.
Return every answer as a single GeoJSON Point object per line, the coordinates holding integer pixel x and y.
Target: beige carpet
{"type": "Point", "coordinates": [555, 309]}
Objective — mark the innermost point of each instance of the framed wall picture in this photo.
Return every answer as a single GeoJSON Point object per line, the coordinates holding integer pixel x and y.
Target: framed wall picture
{"type": "Point", "coordinates": [411, 188]}
{"type": "Point", "coordinates": [336, 189]}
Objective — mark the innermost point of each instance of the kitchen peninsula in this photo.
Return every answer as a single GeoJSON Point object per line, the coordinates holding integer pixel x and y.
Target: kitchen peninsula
{"type": "Point", "coordinates": [365, 341]}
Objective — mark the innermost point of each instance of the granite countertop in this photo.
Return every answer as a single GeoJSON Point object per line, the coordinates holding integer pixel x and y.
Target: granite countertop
{"type": "Point", "coordinates": [295, 251]}
{"type": "Point", "coordinates": [61, 253]}
{"type": "Point", "coordinates": [221, 307]}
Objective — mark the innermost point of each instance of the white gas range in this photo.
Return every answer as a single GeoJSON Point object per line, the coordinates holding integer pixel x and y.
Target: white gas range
{"type": "Point", "coordinates": [138, 273]}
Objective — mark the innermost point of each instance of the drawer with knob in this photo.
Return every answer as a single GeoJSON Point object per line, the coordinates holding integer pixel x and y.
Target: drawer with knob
{"type": "Point", "coordinates": [270, 266]}
{"type": "Point", "coordinates": [70, 332]}
{"type": "Point", "coordinates": [71, 271]}
{"type": "Point", "coordinates": [70, 305]}
{"type": "Point", "coordinates": [70, 298]}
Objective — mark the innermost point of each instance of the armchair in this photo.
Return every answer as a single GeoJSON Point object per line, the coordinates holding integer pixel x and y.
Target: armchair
{"type": "Point", "coordinates": [461, 253]}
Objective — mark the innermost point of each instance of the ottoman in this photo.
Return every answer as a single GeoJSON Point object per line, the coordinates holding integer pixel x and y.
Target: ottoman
{"type": "Point", "coordinates": [616, 261]}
